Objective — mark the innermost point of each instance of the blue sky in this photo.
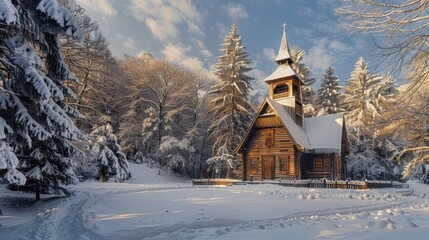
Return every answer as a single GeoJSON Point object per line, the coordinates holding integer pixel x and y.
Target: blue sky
{"type": "Point", "coordinates": [190, 32]}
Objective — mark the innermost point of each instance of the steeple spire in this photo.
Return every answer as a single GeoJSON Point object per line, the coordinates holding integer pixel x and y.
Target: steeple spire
{"type": "Point", "coordinates": [283, 55]}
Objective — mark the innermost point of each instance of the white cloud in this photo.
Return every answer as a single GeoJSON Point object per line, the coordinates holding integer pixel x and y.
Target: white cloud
{"type": "Point", "coordinates": [179, 54]}
{"type": "Point", "coordinates": [126, 42]}
{"type": "Point", "coordinates": [326, 52]}
{"type": "Point", "coordinates": [161, 30]}
{"type": "Point", "coordinates": [201, 47]}
{"type": "Point", "coordinates": [163, 17]}
{"type": "Point", "coordinates": [269, 53]}
{"type": "Point", "coordinates": [100, 6]}
{"type": "Point", "coordinates": [235, 11]}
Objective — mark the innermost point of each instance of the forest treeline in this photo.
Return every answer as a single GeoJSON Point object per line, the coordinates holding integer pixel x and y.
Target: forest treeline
{"type": "Point", "coordinates": [69, 110]}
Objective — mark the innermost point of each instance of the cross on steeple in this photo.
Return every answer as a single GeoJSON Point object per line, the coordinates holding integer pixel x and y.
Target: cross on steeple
{"type": "Point", "coordinates": [284, 54]}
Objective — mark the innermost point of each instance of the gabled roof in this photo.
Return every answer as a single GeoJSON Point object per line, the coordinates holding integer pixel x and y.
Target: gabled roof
{"type": "Point", "coordinates": [319, 135]}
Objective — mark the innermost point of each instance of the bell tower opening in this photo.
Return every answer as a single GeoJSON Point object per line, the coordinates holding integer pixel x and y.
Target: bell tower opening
{"type": "Point", "coordinates": [281, 90]}
{"type": "Point", "coordinates": [285, 83]}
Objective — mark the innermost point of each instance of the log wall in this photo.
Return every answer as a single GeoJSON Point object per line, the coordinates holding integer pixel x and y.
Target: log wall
{"type": "Point", "coordinates": [283, 147]}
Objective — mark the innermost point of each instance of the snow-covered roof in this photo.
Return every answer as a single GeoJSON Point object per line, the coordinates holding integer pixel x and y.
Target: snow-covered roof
{"type": "Point", "coordinates": [283, 55]}
{"type": "Point", "coordinates": [282, 71]}
{"type": "Point", "coordinates": [325, 132]}
{"type": "Point", "coordinates": [298, 134]}
{"type": "Point", "coordinates": [320, 134]}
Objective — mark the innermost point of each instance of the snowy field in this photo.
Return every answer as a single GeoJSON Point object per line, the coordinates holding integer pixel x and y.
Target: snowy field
{"type": "Point", "coordinates": [153, 206]}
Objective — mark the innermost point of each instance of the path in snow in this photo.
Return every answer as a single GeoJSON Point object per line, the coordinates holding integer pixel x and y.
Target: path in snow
{"type": "Point", "coordinates": [65, 221]}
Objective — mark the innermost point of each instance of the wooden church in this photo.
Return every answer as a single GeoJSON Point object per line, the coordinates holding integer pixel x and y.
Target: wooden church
{"type": "Point", "coordinates": [281, 144]}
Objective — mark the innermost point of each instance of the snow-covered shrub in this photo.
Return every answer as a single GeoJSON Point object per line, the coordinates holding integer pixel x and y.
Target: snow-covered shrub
{"type": "Point", "coordinates": [176, 153]}
{"type": "Point", "coordinates": [110, 163]}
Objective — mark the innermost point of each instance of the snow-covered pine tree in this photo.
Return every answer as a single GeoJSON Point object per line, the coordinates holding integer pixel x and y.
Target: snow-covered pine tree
{"type": "Point", "coordinates": [365, 93]}
{"type": "Point", "coordinates": [8, 159]}
{"type": "Point", "coordinates": [329, 95]}
{"type": "Point", "coordinates": [32, 74]}
{"type": "Point", "coordinates": [110, 162]}
{"type": "Point", "coordinates": [308, 94]}
{"type": "Point", "coordinates": [231, 108]}
{"type": "Point", "coordinates": [366, 96]}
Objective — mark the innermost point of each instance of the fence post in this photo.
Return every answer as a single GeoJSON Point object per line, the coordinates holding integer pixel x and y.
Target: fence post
{"type": "Point", "coordinates": [324, 183]}
{"type": "Point", "coordinates": [366, 184]}
{"type": "Point", "coordinates": [336, 184]}
{"type": "Point", "coordinates": [347, 184]}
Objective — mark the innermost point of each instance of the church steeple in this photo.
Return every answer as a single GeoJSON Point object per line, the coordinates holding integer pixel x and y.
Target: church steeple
{"type": "Point", "coordinates": [285, 83]}
{"type": "Point", "coordinates": [284, 56]}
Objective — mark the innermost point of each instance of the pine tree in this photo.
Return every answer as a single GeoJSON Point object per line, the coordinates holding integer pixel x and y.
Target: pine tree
{"type": "Point", "coordinates": [366, 96]}
{"type": "Point", "coordinates": [232, 110]}
{"type": "Point", "coordinates": [365, 93]}
{"type": "Point", "coordinates": [8, 159]}
{"type": "Point", "coordinates": [110, 162]}
{"type": "Point", "coordinates": [329, 95]}
{"type": "Point", "coordinates": [33, 83]}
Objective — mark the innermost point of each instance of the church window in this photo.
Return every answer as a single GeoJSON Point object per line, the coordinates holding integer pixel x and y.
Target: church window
{"type": "Point", "coordinates": [284, 162]}
{"type": "Point", "coordinates": [269, 138]}
{"type": "Point", "coordinates": [318, 165]}
{"type": "Point", "coordinates": [253, 165]}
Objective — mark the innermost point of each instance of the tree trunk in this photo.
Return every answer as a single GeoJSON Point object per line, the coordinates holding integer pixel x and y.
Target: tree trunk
{"type": "Point", "coordinates": [229, 173]}
{"type": "Point", "coordinates": [37, 194]}
{"type": "Point", "coordinates": [201, 155]}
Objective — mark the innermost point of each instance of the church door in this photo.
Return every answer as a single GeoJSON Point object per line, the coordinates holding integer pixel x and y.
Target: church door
{"type": "Point", "coordinates": [268, 168]}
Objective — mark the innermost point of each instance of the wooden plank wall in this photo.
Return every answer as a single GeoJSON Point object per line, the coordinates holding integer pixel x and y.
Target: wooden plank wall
{"type": "Point", "coordinates": [283, 147]}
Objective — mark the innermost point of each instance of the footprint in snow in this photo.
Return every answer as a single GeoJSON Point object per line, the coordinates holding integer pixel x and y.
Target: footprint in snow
{"type": "Point", "coordinates": [407, 223]}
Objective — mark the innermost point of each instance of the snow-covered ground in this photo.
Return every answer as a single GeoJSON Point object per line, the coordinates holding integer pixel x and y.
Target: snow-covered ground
{"type": "Point", "coordinates": [160, 206]}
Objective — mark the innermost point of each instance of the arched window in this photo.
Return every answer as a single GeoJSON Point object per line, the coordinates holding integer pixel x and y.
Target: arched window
{"type": "Point", "coordinates": [281, 89]}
